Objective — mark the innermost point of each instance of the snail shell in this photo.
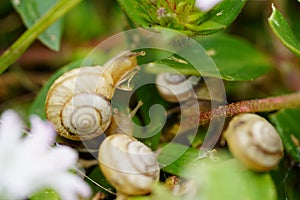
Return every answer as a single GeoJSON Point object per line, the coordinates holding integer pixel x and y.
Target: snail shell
{"type": "Point", "coordinates": [129, 165]}
{"type": "Point", "coordinates": [78, 102]}
{"type": "Point", "coordinates": [254, 141]}
{"type": "Point", "coordinates": [180, 88]}
{"type": "Point", "coordinates": [176, 87]}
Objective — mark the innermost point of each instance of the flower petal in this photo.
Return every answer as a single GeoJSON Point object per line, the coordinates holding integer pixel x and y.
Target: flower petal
{"type": "Point", "coordinates": [59, 159]}
{"type": "Point", "coordinates": [42, 130]}
{"type": "Point", "coordinates": [10, 128]}
{"type": "Point", "coordinates": [31, 164]}
{"type": "Point", "coordinates": [71, 187]}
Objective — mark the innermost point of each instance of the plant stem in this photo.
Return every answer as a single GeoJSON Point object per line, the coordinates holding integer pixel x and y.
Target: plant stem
{"type": "Point", "coordinates": [25, 40]}
{"type": "Point", "coordinates": [251, 106]}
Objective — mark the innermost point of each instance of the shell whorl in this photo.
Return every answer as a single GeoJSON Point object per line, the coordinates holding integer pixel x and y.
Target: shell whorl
{"type": "Point", "coordinates": [254, 141]}
{"type": "Point", "coordinates": [78, 104]}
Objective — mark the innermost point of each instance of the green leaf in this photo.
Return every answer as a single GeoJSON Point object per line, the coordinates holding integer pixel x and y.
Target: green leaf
{"type": "Point", "coordinates": [208, 27]}
{"type": "Point", "coordinates": [139, 198]}
{"type": "Point", "coordinates": [235, 58]}
{"type": "Point", "coordinates": [38, 106]}
{"type": "Point", "coordinates": [223, 14]}
{"type": "Point", "coordinates": [135, 11]}
{"type": "Point", "coordinates": [182, 15]}
{"type": "Point", "coordinates": [152, 121]}
{"type": "Point", "coordinates": [230, 180]}
{"type": "Point", "coordinates": [175, 156]}
{"type": "Point", "coordinates": [283, 31]}
{"type": "Point", "coordinates": [216, 180]}
{"type": "Point", "coordinates": [97, 176]}
{"type": "Point", "coordinates": [46, 194]}
{"type": "Point", "coordinates": [287, 125]}
{"type": "Point", "coordinates": [286, 178]}
{"type": "Point", "coordinates": [30, 11]}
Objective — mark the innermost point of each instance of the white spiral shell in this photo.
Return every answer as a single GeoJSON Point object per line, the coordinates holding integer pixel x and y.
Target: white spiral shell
{"type": "Point", "coordinates": [254, 141]}
{"type": "Point", "coordinates": [129, 165]}
{"type": "Point", "coordinates": [78, 103]}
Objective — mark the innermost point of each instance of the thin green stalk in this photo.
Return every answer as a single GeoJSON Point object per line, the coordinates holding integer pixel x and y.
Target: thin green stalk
{"type": "Point", "coordinates": [25, 40]}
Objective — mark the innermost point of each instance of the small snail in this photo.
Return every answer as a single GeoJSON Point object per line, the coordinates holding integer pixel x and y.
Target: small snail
{"type": "Point", "coordinates": [176, 87]}
{"type": "Point", "coordinates": [254, 141]}
{"type": "Point", "coordinates": [78, 102]}
{"type": "Point", "coordinates": [180, 88]}
{"type": "Point", "coordinates": [129, 165]}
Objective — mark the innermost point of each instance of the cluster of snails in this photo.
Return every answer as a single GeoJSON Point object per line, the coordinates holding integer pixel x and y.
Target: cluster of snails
{"type": "Point", "coordinates": [78, 106]}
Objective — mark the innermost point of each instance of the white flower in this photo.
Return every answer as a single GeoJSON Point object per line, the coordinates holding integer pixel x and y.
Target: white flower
{"type": "Point", "coordinates": [206, 5]}
{"type": "Point", "coordinates": [29, 164]}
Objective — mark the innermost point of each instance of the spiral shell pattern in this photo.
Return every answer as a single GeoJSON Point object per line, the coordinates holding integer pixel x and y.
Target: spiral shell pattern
{"type": "Point", "coordinates": [129, 165]}
{"type": "Point", "coordinates": [254, 141]}
{"type": "Point", "coordinates": [78, 104]}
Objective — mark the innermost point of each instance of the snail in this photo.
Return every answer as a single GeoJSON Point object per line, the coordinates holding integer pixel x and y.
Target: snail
{"type": "Point", "coordinates": [129, 165]}
{"type": "Point", "coordinates": [176, 87]}
{"type": "Point", "coordinates": [254, 142]}
{"type": "Point", "coordinates": [78, 102]}
{"type": "Point", "coordinates": [180, 88]}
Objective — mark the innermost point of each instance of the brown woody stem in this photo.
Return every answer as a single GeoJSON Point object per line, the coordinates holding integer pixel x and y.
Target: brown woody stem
{"type": "Point", "coordinates": [251, 106]}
